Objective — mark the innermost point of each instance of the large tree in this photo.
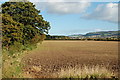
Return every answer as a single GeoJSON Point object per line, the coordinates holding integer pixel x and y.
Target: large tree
{"type": "Point", "coordinates": [22, 22]}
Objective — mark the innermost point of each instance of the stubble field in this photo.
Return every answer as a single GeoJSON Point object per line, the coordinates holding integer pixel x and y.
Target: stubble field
{"type": "Point", "coordinates": [61, 59]}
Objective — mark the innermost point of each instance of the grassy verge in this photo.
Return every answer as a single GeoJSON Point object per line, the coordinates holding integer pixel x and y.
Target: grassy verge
{"type": "Point", "coordinates": [12, 65]}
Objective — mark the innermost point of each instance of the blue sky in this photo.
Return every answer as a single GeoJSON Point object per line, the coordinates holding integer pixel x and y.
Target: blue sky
{"type": "Point", "coordinates": [79, 18]}
{"type": "Point", "coordinates": [74, 24]}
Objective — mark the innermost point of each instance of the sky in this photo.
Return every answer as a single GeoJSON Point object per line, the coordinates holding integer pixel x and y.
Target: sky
{"type": "Point", "coordinates": [67, 18]}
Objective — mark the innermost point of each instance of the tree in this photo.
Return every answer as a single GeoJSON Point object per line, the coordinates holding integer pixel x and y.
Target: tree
{"type": "Point", "coordinates": [21, 22]}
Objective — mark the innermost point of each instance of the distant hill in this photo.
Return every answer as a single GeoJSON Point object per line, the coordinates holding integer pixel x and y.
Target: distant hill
{"type": "Point", "coordinates": [101, 34]}
{"type": "Point", "coordinates": [96, 36]}
{"type": "Point", "coordinates": [76, 35]}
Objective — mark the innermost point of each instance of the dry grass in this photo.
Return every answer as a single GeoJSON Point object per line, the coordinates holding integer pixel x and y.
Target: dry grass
{"type": "Point", "coordinates": [36, 68]}
{"type": "Point", "coordinates": [85, 71]}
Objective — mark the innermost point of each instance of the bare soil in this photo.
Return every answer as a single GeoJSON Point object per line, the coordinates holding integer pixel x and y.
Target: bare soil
{"type": "Point", "coordinates": [51, 56]}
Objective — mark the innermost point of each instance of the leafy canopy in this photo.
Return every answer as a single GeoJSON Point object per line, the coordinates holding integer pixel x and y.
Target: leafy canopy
{"type": "Point", "coordinates": [22, 22]}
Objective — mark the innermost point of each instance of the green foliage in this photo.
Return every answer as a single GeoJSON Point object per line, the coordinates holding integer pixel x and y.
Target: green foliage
{"type": "Point", "coordinates": [22, 25]}
{"type": "Point", "coordinates": [22, 28]}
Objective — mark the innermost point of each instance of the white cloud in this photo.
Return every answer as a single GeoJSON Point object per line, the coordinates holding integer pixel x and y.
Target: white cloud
{"type": "Point", "coordinates": [63, 7]}
{"type": "Point", "coordinates": [106, 12]}
{"type": "Point", "coordinates": [74, 0]}
{"type": "Point", "coordinates": [98, 30]}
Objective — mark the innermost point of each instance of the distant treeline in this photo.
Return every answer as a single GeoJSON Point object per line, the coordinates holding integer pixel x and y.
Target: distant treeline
{"type": "Point", "coordinates": [48, 37]}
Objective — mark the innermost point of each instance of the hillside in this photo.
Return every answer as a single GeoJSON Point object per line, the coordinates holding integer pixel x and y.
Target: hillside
{"type": "Point", "coordinates": [102, 34]}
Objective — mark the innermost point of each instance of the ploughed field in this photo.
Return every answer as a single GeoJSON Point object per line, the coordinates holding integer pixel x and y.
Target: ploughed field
{"type": "Point", "coordinates": [51, 57]}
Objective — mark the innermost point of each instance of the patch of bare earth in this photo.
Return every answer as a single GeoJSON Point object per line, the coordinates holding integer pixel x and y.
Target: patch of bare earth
{"type": "Point", "coordinates": [54, 56]}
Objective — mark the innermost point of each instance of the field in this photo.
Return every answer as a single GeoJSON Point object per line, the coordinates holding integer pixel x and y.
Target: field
{"type": "Point", "coordinates": [72, 58]}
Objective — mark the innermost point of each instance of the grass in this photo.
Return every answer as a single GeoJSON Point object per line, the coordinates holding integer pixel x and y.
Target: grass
{"type": "Point", "coordinates": [12, 66]}
{"type": "Point", "coordinates": [0, 64]}
{"type": "Point", "coordinates": [85, 71]}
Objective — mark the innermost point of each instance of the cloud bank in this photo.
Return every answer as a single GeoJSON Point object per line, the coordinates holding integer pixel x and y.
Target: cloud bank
{"type": "Point", "coordinates": [75, 0]}
{"type": "Point", "coordinates": [63, 7]}
{"type": "Point", "coordinates": [106, 12]}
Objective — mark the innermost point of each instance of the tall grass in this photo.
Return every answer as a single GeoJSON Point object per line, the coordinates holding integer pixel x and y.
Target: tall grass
{"type": "Point", "coordinates": [85, 72]}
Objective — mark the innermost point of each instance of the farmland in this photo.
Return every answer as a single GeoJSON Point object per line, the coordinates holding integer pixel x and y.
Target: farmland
{"type": "Point", "coordinates": [53, 59]}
